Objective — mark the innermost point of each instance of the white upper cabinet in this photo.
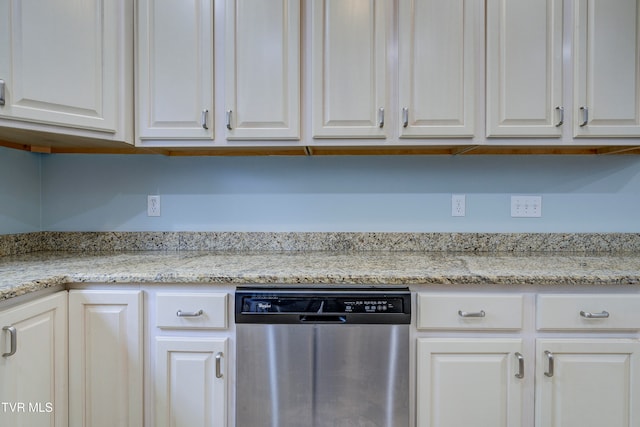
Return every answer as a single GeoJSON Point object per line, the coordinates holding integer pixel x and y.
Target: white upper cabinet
{"type": "Point", "coordinates": [524, 68]}
{"type": "Point", "coordinates": [349, 68]}
{"type": "Point", "coordinates": [68, 66]}
{"type": "Point", "coordinates": [262, 69]}
{"type": "Point", "coordinates": [440, 53]}
{"type": "Point", "coordinates": [606, 68]}
{"type": "Point", "coordinates": [175, 70]}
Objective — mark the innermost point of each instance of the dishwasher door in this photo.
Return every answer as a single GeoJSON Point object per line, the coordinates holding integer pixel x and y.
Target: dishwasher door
{"type": "Point", "coordinates": [324, 372]}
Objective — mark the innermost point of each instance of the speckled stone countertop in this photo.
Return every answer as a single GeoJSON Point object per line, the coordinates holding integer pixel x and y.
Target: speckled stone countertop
{"type": "Point", "coordinates": [22, 274]}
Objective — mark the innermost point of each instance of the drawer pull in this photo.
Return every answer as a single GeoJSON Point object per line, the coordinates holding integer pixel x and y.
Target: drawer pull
{"type": "Point", "coordinates": [218, 364]}
{"type": "Point", "coordinates": [14, 340]}
{"type": "Point", "coordinates": [520, 358]}
{"type": "Point", "coordinates": [181, 313]}
{"type": "Point", "coordinates": [587, 315]}
{"type": "Point", "coordinates": [549, 355]}
{"type": "Point", "coordinates": [480, 313]}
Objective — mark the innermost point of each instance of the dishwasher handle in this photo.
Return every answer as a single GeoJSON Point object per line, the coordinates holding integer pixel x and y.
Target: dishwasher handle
{"type": "Point", "coordinates": [322, 318]}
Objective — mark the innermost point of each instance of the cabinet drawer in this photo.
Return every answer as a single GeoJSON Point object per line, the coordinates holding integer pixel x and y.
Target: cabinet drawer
{"type": "Point", "coordinates": [597, 311]}
{"type": "Point", "coordinates": [191, 310]}
{"type": "Point", "coordinates": [469, 311]}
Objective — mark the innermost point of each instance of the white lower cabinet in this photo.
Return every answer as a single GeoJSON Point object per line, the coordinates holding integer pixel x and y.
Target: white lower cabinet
{"type": "Point", "coordinates": [105, 358]}
{"type": "Point", "coordinates": [587, 383]}
{"type": "Point", "coordinates": [469, 382]}
{"type": "Point", "coordinates": [33, 363]}
{"type": "Point", "coordinates": [189, 362]}
{"type": "Point", "coordinates": [190, 382]}
{"type": "Point", "coordinates": [579, 366]}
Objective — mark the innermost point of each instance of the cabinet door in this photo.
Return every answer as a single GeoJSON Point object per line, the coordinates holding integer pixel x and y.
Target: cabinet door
{"type": "Point", "coordinates": [191, 382]}
{"type": "Point", "coordinates": [607, 68]}
{"type": "Point", "coordinates": [175, 69]}
{"type": "Point", "coordinates": [262, 69]}
{"type": "Point", "coordinates": [587, 383]}
{"type": "Point", "coordinates": [524, 68]}
{"type": "Point", "coordinates": [105, 358]}
{"type": "Point", "coordinates": [469, 382]}
{"type": "Point", "coordinates": [33, 385]}
{"type": "Point", "coordinates": [349, 68]}
{"type": "Point", "coordinates": [439, 58]}
{"type": "Point", "coordinates": [66, 63]}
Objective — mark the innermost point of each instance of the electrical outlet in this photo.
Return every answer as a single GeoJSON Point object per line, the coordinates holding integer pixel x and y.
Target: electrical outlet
{"type": "Point", "coordinates": [153, 205]}
{"type": "Point", "coordinates": [526, 206]}
{"type": "Point", "coordinates": [458, 205]}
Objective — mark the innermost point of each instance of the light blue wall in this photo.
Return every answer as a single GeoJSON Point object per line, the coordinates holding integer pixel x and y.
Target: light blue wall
{"type": "Point", "coordinates": [369, 193]}
{"type": "Point", "coordinates": [19, 191]}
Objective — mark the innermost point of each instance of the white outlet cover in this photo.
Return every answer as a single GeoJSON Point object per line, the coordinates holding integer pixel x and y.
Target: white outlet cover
{"type": "Point", "coordinates": [153, 205]}
{"type": "Point", "coordinates": [526, 206]}
{"type": "Point", "coordinates": [458, 205]}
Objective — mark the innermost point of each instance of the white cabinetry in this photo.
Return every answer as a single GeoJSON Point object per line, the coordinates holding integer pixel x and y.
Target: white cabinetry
{"type": "Point", "coordinates": [580, 367]}
{"type": "Point", "coordinates": [191, 369]}
{"type": "Point", "coordinates": [524, 68]}
{"type": "Point", "coordinates": [464, 381]}
{"type": "Point", "coordinates": [606, 52]}
{"type": "Point", "coordinates": [439, 49]}
{"type": "Point", "coordinates": [190, 382]}
{"type": "Point", "coordinates": [349, 43]}
{"type": "Point", "coordinates": [68, 68]}
{"type": "Point", "coordinates": [262, 69]}
{"type": "Point", "coordinates": [593, 381]}
{"type": "Point", "coordinates": [587, 382]}
{"type": "Point", "coordinates": [33, 363]}
{"type": "Point", "coordinates": [105, 358]}
{"type": "Point", "coordinates": [484, 374]}
{"type": "Point", "coordinates": [175, 102]}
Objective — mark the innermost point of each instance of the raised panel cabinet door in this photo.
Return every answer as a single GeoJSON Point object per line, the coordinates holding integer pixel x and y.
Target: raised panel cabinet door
{"type": "Point", "coordinates": [349, 68]}
{"type": "Point", "coordinates": [262, 69]}
{"type": "Point", "coordinates": [191, 382]}
{"type": "Point", "coordinates": [587, 383]}
{"type": "Point", "coordinates": [105, 358]}
{"type": "Point", "coordinates": [524, 68]}
{"type": "Point", "coordinates": [33, 380]}
{"type": "Point", "coordinates": [606, 68]}
{"type": "Point", "coordinates": [175, 69]}
{"type": "Point", "coordinates": [469, 382]}
{"type": "Point", "coordinates": [439, 58]}
{"type": "Point", "coordinates": [68, 63]}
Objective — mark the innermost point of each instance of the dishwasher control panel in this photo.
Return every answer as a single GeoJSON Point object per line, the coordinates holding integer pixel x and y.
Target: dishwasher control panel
{"type": "Point", "coordinates": [345, 306]}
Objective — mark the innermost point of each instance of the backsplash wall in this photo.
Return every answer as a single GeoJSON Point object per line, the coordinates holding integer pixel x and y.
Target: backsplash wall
{"type": "Point", "coordinates": [344, 193]}
{"type": "Point", "coordinates": [19, 191]}
{"type": "Point", "coordinates": [368, 193]}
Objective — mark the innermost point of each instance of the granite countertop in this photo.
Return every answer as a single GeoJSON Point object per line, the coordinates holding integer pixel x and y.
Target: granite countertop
{"type": "Point", "coordinates": [22, 274]}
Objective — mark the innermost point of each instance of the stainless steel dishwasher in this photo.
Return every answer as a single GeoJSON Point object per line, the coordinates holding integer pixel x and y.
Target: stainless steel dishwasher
{"type": "Point", "coordinates": [309, 357]}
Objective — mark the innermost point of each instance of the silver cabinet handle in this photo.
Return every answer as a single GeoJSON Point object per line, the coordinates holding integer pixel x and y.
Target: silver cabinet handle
{"type": "Point", "coordinates": [1, 92]}
{"type": "Point", "coordinates": [520, 358]}
{"type": "Point", "coordinates": [14, 340]}
{"type": "Point", "coordinates": [405, 117]}
{"type": "Point", "coordinates": [381, 117]}
{"type": "Point", "coordinates": [205, 114]}
{"type": "Point", "coordinates": [181, 313]}
{"type": "Point", "coordinates": [480, 313]}
{"type": "Point", "coordinates": [587, 315]}
{"type": "Point", "coordinates": [585, 116]}
{"type": "Point", "coordinates": [229, 119]}
{"type": "Point", "coordinates": [549, 372]}
{"type": "Point", "coordinates": [218, 364]}
{"type": "Point", "coordinates": [561, 110]}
